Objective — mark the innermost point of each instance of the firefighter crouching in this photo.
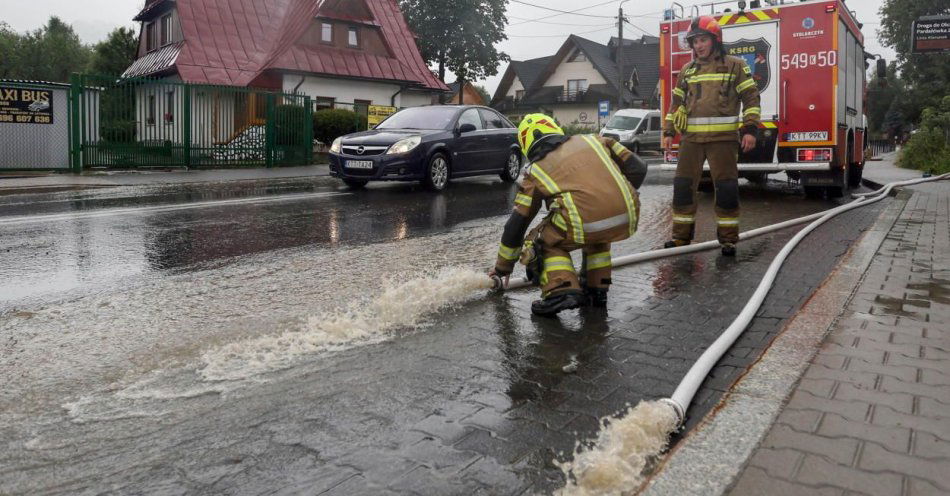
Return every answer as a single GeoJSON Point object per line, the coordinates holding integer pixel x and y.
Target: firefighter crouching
{"type": "Point", "coordinates": [588, 185]}
{"type": "Point", "coordinates": [705, 109]}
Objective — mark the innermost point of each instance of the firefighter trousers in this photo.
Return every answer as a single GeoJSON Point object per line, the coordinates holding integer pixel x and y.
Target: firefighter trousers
{"type": "Point", "coordinates": [722, 157]}
{"type": "Point", "coordinates": [558, 274]}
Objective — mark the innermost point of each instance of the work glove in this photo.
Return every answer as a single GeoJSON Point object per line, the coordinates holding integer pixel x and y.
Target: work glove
{"type": "Point", "coordinates": [680, 119]}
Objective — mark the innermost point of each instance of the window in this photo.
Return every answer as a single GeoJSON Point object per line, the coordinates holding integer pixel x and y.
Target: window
{"type": "Point", "coordinates": [361, 107]}
{"type": "Point", "coordinates": [150, 37]}
{"type": "Point", "coordinates": [575, 86]}
{"type": "Point", "coordinates": [353, 38]}
{"type": "Point", "coordinates": [470, 116]}
{"type": "Point", "coordinates": [492, 119]}
{"type": "Point", "coordinates": [150, 111]}
{"type": "Point", "coordinates": [166, 30]}
{"type": "Point", "coordinates": [655, 123]}
{"type": "Point", "coordinates": [325, 102]}
{"type": "Point", "coordinates": [169, 107]}
{"type": "Point", "coordinates": [577, 56]}
{"type": "Point", "coordinates": [519, 94]}
{"type": "Point", "coordinates": [326, 32]}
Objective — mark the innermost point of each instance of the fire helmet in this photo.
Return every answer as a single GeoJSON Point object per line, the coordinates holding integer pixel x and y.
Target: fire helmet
{"type": "Point", "coordinates": [534, 127]}
{"type": "Point", "coordinates": [705, 25]}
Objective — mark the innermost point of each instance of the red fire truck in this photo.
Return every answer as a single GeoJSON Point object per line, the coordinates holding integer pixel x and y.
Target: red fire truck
{"type": "Point", "coordinates": [809, 62]}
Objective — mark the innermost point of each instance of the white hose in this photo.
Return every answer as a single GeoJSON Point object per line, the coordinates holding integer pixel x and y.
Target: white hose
{"type": "Point", "coordinates": [687, 388]}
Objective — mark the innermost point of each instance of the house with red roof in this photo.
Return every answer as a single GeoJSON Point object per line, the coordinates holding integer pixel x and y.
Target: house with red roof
{"type": "Point", "coordinates": [354, 51]}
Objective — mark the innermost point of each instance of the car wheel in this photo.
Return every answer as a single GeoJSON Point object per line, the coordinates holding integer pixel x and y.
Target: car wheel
{"type": "Point", "coordinates": [437, 173]}
{"type": "Point", "coordinates": [355, 183]}
{"type": "Point", "coordinates": [512, 167]}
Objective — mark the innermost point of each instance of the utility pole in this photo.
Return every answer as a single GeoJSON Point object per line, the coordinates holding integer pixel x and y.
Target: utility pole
{"type": "Point", "coordinates": [620, 56]}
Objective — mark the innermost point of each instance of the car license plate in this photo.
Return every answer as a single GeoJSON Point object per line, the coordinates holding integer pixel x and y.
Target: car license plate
{"type": "Point", "coordinates": [359, 164]}
{"type": "Point", "coordinates": [809, 136]}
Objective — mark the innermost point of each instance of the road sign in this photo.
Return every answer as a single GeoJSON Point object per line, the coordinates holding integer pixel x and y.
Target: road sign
{"type": "Point", "coordinates": [603, 108]}
{"type": "Point", "coordinates": [931, 34]}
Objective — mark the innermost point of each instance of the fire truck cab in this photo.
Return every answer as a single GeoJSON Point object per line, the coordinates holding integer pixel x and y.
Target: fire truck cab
{"type": "Point", "coordinates": [809, 63]}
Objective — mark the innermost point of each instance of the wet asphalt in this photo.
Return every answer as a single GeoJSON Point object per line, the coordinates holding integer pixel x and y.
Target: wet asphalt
{"type": "Point", "coordinates": [110, 296]}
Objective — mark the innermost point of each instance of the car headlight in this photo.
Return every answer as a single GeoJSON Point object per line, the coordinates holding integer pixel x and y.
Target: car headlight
{"type": "Point", "coordinates": [337, 144]}
{"type": "Point", "coordinates": [404, 145]}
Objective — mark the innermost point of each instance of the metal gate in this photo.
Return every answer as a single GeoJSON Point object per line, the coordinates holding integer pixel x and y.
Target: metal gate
{"type": "Point", "coordinates": [140, 122]}
{"type": "Point", "coordinates": [34, 126]}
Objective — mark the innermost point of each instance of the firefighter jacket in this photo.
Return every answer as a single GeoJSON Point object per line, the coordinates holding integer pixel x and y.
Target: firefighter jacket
{"type": "Point", "coordinates": [587, 184]}
{"type": "Point", "coordinates": [712, 92]}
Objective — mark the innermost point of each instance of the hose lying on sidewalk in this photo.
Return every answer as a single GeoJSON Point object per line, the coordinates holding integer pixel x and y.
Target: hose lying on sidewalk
{"type": "Point", "coordinates": [640, 434]}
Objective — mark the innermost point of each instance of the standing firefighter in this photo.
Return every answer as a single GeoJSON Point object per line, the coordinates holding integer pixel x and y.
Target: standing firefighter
{"type": "Point", "coordinates": [589, 187]}
{"type": "Point", "coordinates": [705, 109]}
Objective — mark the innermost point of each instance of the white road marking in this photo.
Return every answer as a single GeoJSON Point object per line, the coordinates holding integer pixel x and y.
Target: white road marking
{"type": "Point", "coordinates": [30, 219]}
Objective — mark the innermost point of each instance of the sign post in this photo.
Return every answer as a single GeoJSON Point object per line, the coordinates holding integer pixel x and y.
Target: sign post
{"type": "Point", "coordinates": [603, 111]}
{"type": "Point", "coordinates": [931, 34]}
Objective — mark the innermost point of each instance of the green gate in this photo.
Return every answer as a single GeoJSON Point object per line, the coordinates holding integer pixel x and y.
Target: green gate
{"type": "Point", "coordinates": [141, 122]}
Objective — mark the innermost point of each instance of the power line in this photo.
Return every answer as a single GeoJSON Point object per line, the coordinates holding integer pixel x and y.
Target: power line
{"type": "Point", "coordinates": [559, 35]}
{"type": "Point", "coordinates": [560, 23]}
{"type": "Point", "coordinates": [562, 12]}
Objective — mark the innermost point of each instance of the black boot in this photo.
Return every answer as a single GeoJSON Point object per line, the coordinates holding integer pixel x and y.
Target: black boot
{"type": "Point", "coordinates": [728, 249]}
{"type": "Point", "coordinates": [597, 297]}
{"type": "Point", "coordinates": [550, 306]}
{"type": "Point", "coordinates": [675, 243]}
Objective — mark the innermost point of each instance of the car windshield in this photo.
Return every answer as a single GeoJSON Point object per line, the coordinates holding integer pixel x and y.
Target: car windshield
{"type": "Point", "coordinates": [623, 122]}
{"type": "Point", "coordinates": [420, 118]}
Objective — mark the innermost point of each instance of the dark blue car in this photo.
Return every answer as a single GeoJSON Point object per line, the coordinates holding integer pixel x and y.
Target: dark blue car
{"type": "Point", "coordinates": [430, 144]}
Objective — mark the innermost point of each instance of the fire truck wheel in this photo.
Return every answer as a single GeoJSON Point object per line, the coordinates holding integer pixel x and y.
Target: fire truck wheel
{"type": "Point", "coordinates": [706, 186]}
{"type": "Point", "coordinates": [854, 175]}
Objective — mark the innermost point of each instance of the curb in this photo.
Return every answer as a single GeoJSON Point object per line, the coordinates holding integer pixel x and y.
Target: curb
{"type": "Point", "coordinates": [712, 456]}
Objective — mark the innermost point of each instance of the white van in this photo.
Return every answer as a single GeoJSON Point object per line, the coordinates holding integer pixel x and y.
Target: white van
{"type": "Point", "coordinates": [636, 129]}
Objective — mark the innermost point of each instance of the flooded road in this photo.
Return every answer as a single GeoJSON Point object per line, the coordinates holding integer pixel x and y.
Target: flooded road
{"type": "Point", "coordinates": [234, 338]}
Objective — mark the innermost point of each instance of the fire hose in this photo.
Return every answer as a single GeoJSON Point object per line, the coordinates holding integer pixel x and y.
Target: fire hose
{"type": "Point", "coordinates": [686, 390]}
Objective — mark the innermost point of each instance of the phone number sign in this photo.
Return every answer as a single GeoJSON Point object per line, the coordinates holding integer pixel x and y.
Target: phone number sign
{"type": "Point", "coordinates": [25, 106]}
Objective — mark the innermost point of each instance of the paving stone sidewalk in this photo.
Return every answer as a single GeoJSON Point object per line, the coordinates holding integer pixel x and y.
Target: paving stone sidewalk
{"type": "Point", "coordinates": [871, 415]}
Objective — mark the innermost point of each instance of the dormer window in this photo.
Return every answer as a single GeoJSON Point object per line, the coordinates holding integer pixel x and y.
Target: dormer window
{"type": "Point", "coordinates": [326, 32]}
{"type": "Point", "coordinates": [150, 37]}
{"type": "Point", "coordinates": [353, 37]}
{"type": "Point", "coordinates": [166, 29]}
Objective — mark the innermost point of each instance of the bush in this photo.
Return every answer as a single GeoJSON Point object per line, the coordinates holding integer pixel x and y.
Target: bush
{"type": "Point", "coordinates": [928, 149]}
{"type": "Point", "coordinates": [330, 124]}
{"type": "Point", "coordinates": [572, 129]}
{"type": "Point", "coordinates": [118, 131]}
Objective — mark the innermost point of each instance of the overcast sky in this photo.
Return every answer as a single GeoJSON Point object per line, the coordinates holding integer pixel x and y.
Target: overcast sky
{"type": "Point", "coordinates": [93, 19]}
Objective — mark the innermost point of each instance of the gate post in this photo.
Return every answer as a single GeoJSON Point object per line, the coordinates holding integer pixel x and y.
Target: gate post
{"type": "Point", "coordinates": [308, 152]}
{"type": "Point", "coordinates": [186, 123]}
{"type": "Point", "coordinates": [269, 130]}
{"type": "Point", "coordinates": [75, 121]}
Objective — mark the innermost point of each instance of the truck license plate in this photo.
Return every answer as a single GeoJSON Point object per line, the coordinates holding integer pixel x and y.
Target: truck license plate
{"type": "Point", "coordinates": [809, 136]}
{"type": "Point", "coordinates": [359, 164]}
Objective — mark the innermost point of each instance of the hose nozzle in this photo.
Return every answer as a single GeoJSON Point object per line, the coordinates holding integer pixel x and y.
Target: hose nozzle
{"type": "Point", "coordinates": [677, 409]}
{"type": "Point", "coordinates": [497, 284]}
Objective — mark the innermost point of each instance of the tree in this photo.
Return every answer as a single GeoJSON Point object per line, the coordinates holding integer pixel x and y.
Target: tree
{"type": "Point", "coordinates": [885, 96]}
{"type": "Point", "coordinates": [927, 75]}
{"type": "Point", "coordinates": [9, 48]}
{"type": "Point", "coordinates": [51, 53]}
{"type": "Point", "coordinates": [116, 53]}
{"type": "Point", "coordinates": [459, 35]}
{"type": "Point", "coordinates": [483, 92]}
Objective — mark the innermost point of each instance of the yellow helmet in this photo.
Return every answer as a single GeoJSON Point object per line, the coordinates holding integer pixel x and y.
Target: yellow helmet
{"type": "Point", "coordinates": [534, 127]}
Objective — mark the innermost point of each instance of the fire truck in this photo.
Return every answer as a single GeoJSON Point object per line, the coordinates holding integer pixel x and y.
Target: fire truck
{"type": "Point", "coordinates": [809, 62]}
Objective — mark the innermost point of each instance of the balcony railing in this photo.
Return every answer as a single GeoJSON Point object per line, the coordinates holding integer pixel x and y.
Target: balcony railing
{"type": "Point", "coordinates": [568, 96]}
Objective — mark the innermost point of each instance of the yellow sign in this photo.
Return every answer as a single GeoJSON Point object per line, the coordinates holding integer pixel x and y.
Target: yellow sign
{"type": "Point", "coordinates": [26, 106]}
{"type": "Point", "coordinates": [379, 113]}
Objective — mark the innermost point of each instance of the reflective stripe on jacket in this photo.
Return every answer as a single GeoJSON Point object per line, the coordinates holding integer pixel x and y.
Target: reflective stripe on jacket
{"type": "Point", "coordinates": [720, 97]}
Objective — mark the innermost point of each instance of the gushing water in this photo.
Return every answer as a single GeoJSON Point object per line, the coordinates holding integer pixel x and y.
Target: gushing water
{"type": "Point", "coordinates": [614, 463]}
{"type": "Point", "coordinates": [400, 305]}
